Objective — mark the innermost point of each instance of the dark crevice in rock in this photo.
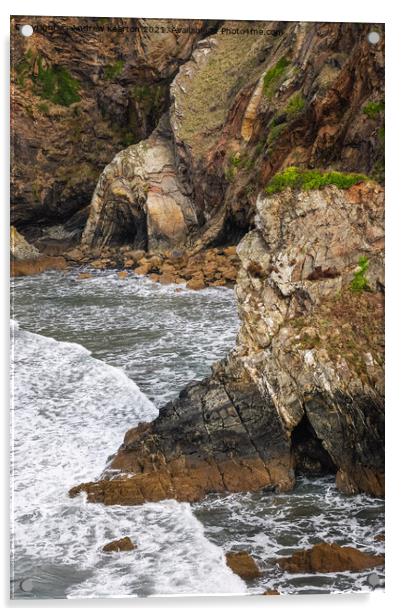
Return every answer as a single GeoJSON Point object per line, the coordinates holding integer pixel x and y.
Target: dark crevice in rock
{"type": "Point", "coordinates": [310, 457]}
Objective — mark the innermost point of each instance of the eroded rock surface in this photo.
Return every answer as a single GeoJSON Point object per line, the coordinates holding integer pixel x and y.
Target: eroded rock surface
{"type": "Point", "coordinates": [304, 386]}
{"type": "Point", "coordinates": [139, 199]}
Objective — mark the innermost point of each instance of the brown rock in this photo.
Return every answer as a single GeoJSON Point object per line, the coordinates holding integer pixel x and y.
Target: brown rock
{"type": "Point", "coordinates": [75, 255]}
{"type": "Point", "coordinates": [379, 537]}
{"type": "Point", "coordinates": [143, 270]}
{"type": "Point", "coordinates": [230, 251]}
{"type": "Point", "coordinates": [37, 266]}
{"type": "Point", "coordinates": [154, 277]}
{"type": "Point", "coordinates": [84, 276]}
{"type": "Point", "coordinates": [230, 274]}
{"type": "Point", "coordinates": [271, 591]}
{"type": "Point", "coordinates": [119, 545]}
{"type": "Point", "coordinates": [182, 478]}
{"type": "Point", "coordinates": [167, 279]}
{"type": "Point", "coordinates": [196, 283]}
{"type": "Point", "coordinates": [243, 565]}
{"type": "Point", "coordinates": [168, 268]}
{"type": "Point", "coordinates": [98, 263]}
{"type": "Point", "coordinates": [360, 478]}
{"type": "Point", "coordinates": [218, 283]}
{"type": "Point", "coordinates": [156, 262]}
{"type": "Point", "coordinates": [122, 275]}
{"type": "Point", "coordinates": [135, 255]}
{"type": "Point", "coordinates": [329, 557]}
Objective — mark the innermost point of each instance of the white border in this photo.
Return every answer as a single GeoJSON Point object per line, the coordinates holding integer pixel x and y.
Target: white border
{"type": "Point", "coordinates": [291, 10]}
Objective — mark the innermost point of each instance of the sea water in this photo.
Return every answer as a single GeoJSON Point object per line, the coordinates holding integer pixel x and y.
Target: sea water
{"type": "Point", "coordinates": [92, 358]}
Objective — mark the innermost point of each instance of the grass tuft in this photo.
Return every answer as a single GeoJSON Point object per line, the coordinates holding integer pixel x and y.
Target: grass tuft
{"type": "Point", "coordinates": [273, 77]}
{"type": "Point", "coordinates": [304, 179]}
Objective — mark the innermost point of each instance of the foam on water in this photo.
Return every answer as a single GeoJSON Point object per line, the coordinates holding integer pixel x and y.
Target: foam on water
{"type": "Point", "coordinates": [270, 526]}
{"type": "Point", "coordinates": [70, 413]}
{"type": "Point", "coordinates": [163, 336]}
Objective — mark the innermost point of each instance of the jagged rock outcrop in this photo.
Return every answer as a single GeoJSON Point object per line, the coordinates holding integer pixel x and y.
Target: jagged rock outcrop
{"type": "Point", "coordinates": [303, 389]}
{"type": "Point", "coordinates": [139, 200]}
{"type": "Point", "coordinates": [245, 105]}
{"type": "Point", "coordinates": [82, 89]}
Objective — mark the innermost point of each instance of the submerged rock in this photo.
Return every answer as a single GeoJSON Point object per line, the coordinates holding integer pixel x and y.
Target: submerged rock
{"type": "Point", "coordinates": [243, 564]}
{"type": "Point", "coordinates": [119, 545]}
{"type": "Point", "coordinates": [329, 557]}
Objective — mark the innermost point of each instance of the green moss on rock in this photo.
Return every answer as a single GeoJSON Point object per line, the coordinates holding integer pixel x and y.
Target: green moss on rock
{"type": "Point", "coordinates": [273, 76]}
{"type": "Point", "coordinates": [373, 109]}
{"type": "Point", "coordinates": [304, 179]}
{"type": "Point", "coordinates": [295, 105]}
{"type": "Point", "coordinates": [111, 71]}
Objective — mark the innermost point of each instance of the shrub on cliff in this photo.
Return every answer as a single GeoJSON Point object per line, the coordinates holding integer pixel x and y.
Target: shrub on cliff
{"type": "Point", "coordinates": [304, 179]}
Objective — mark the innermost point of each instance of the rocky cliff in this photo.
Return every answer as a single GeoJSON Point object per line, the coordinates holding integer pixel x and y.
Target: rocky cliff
{"type": "Point", "coordinates": [303, 389]}
{"type": "Point", "coordinates": [82, 89]}
{"type": "Point", "coordinates": [246, 105]}
{"type": "Point", "coordinates": [241, 101]}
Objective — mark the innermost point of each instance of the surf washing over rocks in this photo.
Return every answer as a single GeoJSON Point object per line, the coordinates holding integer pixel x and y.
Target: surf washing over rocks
{"type": "Point", "coordinates": [70, 410]}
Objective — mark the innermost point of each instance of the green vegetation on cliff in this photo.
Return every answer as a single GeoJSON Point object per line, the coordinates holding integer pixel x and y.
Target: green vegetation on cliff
{"type": "Point", "coordinates": [373, 109]}
{"type": "Point", "coordinates": [305, 179]}
{"type": "Point", "coordinates": [50, 82]}
{"type": "Point", "coordinates": [359, 282]}
{"type": "Point", "coordinates": [295, 105]}
{"type": "Point", "coordinates": [273, 76]}
{"type": "Point", "coordinates": [111, 71]}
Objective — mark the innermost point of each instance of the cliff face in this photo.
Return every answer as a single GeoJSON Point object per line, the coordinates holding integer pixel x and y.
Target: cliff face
{"type": "Point", "coordinates": [246, 105]}
{"type": "Point", "coordinates": [303, 389]}
{"type": "Point", "coordinates": [82, 90]}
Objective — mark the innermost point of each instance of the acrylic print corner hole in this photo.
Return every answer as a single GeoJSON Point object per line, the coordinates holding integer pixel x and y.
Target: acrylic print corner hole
{"type": "Point", "coordinates": [374, 37]}
{"type": "Point", "coordinates": [26, 30]}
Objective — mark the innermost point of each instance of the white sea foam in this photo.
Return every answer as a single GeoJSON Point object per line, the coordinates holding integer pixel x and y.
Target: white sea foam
{"type": "Point", "coordinates": [70, 413]}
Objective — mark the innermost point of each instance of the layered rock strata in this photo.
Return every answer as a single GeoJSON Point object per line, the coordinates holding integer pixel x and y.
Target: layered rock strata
{"type": "Point", "coordinates": [82, 89]}
{"type": "Point", "coordinates": [139, 199]}
{"type": "Point", "coordinates": [303, 389]}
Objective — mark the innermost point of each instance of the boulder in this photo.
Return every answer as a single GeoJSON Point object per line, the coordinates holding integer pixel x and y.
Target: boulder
{"type": "Point", "coordinates": [196, 283]}
{"type": "Point", "coordinates": [143, 270]}
{"type": "Point", "coordinates": [329, 557]}
{"type": "Point", "coordinates": [20, 249]}
{"type": "Point", "coordinates": [119, 545]}
{"type": "Point", "coordinates": [243, 564]}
